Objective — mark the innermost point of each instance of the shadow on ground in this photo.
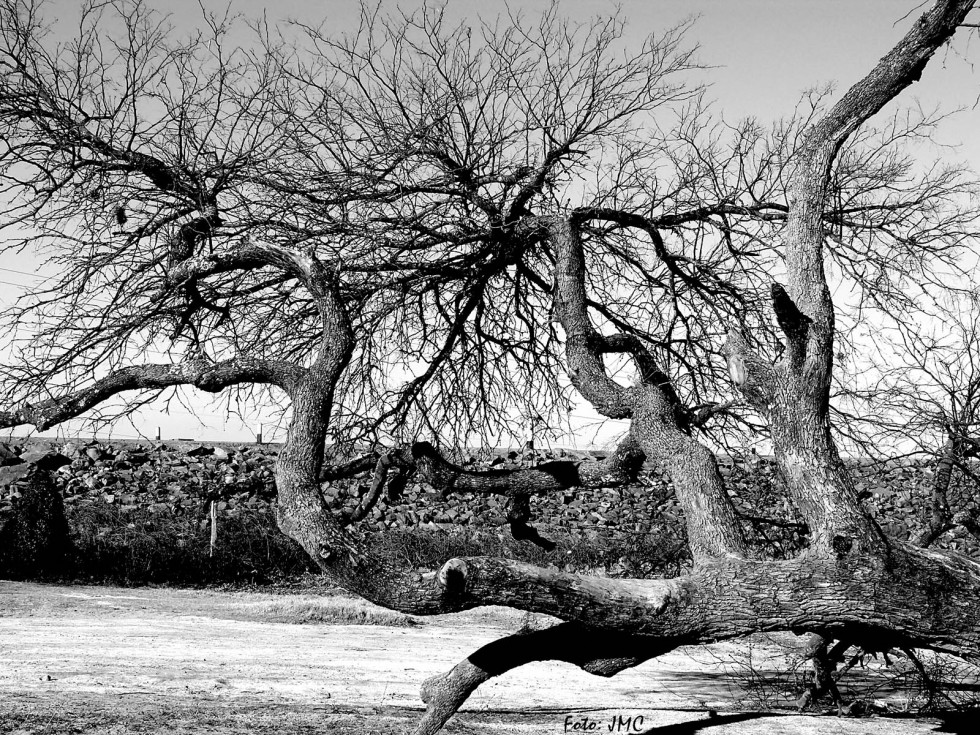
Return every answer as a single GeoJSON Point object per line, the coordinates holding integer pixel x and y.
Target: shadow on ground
{"type": "Point", "coordinates": [138, 714]}
{"type": "Point", "coordinates": [960, 723]}
{"type": "Point", "coordinates": [684, 728]}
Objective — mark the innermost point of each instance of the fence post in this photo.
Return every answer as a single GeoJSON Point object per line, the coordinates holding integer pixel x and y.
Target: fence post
{"type": "Point", "coordinates": [258, 434]}
{"type": "Point", "coordinates": [530, 445]}
{"type": "Point", "coordinates": [214, 527]}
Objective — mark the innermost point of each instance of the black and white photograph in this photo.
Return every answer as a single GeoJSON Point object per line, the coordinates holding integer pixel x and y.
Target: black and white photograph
{"type": "Point", "coordinates": [403, 367]}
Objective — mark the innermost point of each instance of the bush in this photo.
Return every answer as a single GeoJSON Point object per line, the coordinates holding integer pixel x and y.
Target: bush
{"type": "Point", "coordinates": [142, 546]}
{"type": "Point", "coordinates": [34, 542]}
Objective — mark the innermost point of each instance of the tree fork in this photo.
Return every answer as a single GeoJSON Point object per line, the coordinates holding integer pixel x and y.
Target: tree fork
{"type": "Point", "coordinates": [797, 407]}
{"type": "Point", "coordinates": [598, 652]}
{"type": "Point", "coordinates": [712, 525]}
{"type": "Point", "coordinates": [818, 481]}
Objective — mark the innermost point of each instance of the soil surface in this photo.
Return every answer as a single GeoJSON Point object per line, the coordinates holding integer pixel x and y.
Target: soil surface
{"type": "Point", "coordinates": [112, 661]}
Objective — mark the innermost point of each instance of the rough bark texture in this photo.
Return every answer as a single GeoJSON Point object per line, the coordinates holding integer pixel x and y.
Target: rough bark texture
{"type": "Point", "coordinates": [851, 584]}
{"type": "Point", "coordinates": [825, 662]}
{"type": "Point", "coordinates": [852, 580]}
{"type": "Point", "coordinates": [940, 518]}
{"type": "Point", "coordinates": [712, 526]}
{"type": "Point", "coordinates": [599, 652]}
{"type": "Point", "coordinates": [794, 396]}
{"type": "Point", "coordinates": [620, 468]}
{"type": "Point", "coordinates": [201, 373]}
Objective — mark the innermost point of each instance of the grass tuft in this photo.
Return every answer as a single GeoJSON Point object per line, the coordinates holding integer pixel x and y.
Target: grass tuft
{"type": "Point", "coordinates": [302, 609]}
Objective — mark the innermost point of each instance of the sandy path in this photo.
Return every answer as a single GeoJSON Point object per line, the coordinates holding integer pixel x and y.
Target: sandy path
{"type": "Point", "coordinates": [105, 661]}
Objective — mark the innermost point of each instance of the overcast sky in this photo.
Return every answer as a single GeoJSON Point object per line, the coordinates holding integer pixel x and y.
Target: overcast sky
{"type": "Point", "coordinates": [762, 55]}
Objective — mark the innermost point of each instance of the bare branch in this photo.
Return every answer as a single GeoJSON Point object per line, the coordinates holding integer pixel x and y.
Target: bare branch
{"type": "Point", "coordinates": [201, 373]}
{"type": "Point", "coordinates": [619, 469]}
{"type": "Point", "coordinates": [808, 189]}
{"type": "Point", "coordinates": [598, 652]}
{"type": "Point", "coordinates": [582, 342]}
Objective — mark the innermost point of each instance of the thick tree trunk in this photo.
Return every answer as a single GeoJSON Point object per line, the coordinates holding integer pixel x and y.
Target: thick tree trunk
{"type": "Point", "coordinates": [850, 584]}
{"type": "Point", "coordinates": [909, 598]}
{"type": "Point", "coordinates": [818, 481]}
{"type": "Point", "coordinates": [940, 518]}
{"type": "Point", "coordinates": [712, 525]}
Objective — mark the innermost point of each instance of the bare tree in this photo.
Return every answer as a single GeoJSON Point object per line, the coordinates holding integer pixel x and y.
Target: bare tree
{"type": "Point", "coordinates": [455, 202]}
{"type": "Point", "coordinates": [925, 403]}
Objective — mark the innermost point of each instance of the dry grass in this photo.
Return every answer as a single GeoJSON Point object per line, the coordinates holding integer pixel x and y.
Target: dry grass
{"type": "Point", "coordinates": [302, 609]}
{"type": "Point", "coordinates": [326, 606]}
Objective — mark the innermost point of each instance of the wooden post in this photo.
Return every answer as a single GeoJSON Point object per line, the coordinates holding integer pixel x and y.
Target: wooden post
{"type": "Point", "coordinates": [158, 433]}
{"type": "Point", "coordinates": [530, 445]}
{"type": "Point", "coordinates": [258, 434]}
{"type": "Point", "coordinates": [214, 527]}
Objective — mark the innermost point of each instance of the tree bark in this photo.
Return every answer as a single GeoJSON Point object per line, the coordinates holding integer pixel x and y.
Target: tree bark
{"type": "Point", "coordinates": [598, 652]}
{"type": "Point", "coordinates": [851, 573]}
{"type": "Point", "coordinates": [851, 584]}
{"type": "Point", "coordinates": [712, 524]}
{"type": "Point", "coordinates": [199, 372]}
{"type": "Point", "coordinates": [940, 518]}
{"type": "Point", "coordinates": [618, 469]}
{"type": "Point", "coordinates": [794, 396]}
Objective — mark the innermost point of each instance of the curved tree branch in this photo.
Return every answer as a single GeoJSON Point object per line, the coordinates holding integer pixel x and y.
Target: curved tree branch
{"type": "Point", "coordinates": [201, 373]}
{"type": "Point", "coordinates": [809, 180]}
{"type": "Point", "coordinates": [598, 652]}
{"type": "Point", "coordinates": [583, 344]}
{"type": "Point", "coordinates": [619, 469]}
{"type": "Point", "coordinates": [241, 256]}
{"type": "Point", "coordinates": [796, 403]}
{"type": "Point", "coordinates": [712, 524]}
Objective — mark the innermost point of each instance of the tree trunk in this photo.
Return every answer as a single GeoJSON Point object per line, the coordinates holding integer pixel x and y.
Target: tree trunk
{"type": "Point", "coordinates": [850, 584]}
{"type": "Point", "coordinates": [940, 519]}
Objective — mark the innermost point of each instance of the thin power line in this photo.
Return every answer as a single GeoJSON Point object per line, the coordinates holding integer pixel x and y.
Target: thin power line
{"type": "Point", "coordinates": [23, 273]}
{"type": "Point", "coordinates": [18, 285]}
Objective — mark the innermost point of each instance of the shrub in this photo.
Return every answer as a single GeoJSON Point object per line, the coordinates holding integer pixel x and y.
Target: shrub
{"type": "Point", "coordinates": [140, 546]}
{"type": "Point", "coordinates": [35, 541]}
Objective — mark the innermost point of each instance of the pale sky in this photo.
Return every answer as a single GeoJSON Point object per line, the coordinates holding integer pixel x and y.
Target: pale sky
{"type": "Point", "coordinates": [763, 54]}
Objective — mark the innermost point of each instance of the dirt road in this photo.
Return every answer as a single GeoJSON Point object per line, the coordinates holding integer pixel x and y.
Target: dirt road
{"type": "Point", "coordinates": [111, 661]}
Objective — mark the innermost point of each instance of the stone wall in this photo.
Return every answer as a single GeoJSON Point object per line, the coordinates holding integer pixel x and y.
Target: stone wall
{"type": "Point", "coordinates": [184, 477]}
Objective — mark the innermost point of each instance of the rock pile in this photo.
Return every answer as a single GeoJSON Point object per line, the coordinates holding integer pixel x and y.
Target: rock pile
{"type": "Point", "coordinates": [182, 478]}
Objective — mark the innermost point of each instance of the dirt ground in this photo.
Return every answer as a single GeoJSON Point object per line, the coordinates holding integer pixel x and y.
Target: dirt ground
{"type": "Point", "coordinates": [110, 661]}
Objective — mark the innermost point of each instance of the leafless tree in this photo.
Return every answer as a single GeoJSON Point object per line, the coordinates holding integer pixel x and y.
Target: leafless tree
{"type": "Point", "coordinates": [924, 403]}
{"type": "Point", "coordinates": [396, 230]}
